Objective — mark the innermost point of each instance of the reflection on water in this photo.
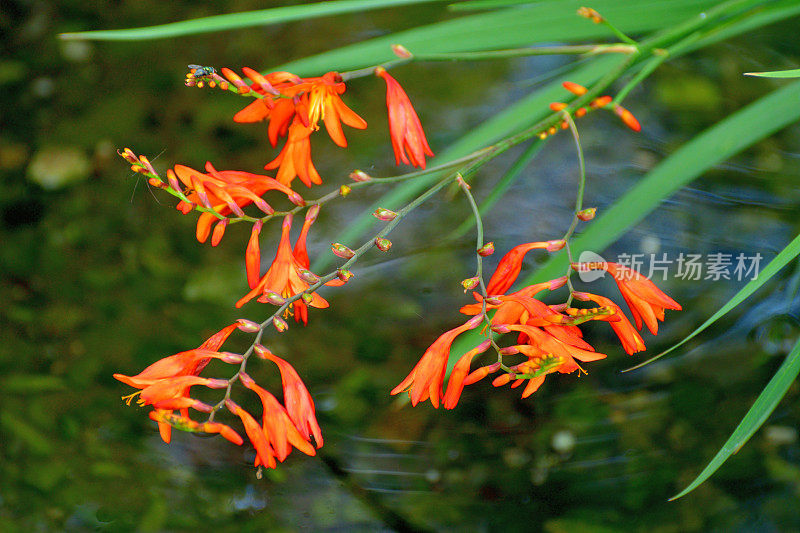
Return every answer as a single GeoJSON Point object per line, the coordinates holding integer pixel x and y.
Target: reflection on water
{"type": "Point", "coordinates": [98, 274]}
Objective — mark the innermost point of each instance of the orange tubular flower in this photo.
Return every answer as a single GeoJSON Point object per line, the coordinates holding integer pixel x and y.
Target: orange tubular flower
{"type": "Point", "coordinates": [510, 265]}
{"type": "Point", "coordinates": [189, 363]}
{"type": "Point", "coordinates": [540, 343]}
{"type": "Point", "coordinates": [299, 403]}
{"type": "Point", "coordinates": [295, 158]}
{"type": "Point", "coordinates": [408, 138]}
{"type": "Point", "coordinates": [265, 455]}
{"type": "Point", "coordinates": [543, 365]}
{"type": "Point", "coordinates": [646, 301]}
{"type": "Point", "coordinates": [277, 424]}
{"type": "Point", "coordinates": [283, 276]}
{"type": "Point", "coordinates": [226, 191]}
{"type": "Point", "coordinates": [455, 384]}
{"type": "Point", "coordinates": [631, 340]}
{"type": "Point", "coordinates": [426, 380]}
{"type": "Point", "coordinates": [324, 103]}
{"type": "Point", "coordinates": [311, 99]}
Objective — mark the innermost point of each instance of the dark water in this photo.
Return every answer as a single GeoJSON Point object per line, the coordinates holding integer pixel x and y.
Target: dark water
{"type": "Point", "coordinates": [101, 275]}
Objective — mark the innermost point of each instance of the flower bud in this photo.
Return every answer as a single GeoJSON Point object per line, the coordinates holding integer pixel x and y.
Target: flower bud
{"type": "Point", "coordinates": [246, 380]}
{"type": "Point", "coordinates": [509, 350]}
{"type": "Point", "coordinates": [602, 101]}
{"type": "Point", "coordinates": [262, 351]}
{"type": "Point", "coordinates": [493, 300]}
{"type": "Point", "coordinates": [260, 80]}
{"type": "Point", "coordinates": [308, 276]}
{"type": "Point", "coordinates": [574, 88]}
{"type": "Point", "coordinates": [590, 14]}
{"type": "Point", "coordinates": [627, 118]}
{"type": "Point", "coordinates": [280, 324]}
{"type": "Point", "coordinates": [581, 111]}
{"type": "Point", "coordinates": [486, 250]}
{"type": "Point", "coordinates": [500, 328]}
{"type": "Point", "coordinates": [272, 297]}
{"type": "Point", "coordinates": [248, 326]}
{"type": "Point", "coordinates": [384, 214]}
{"type": "Point", "coordinates": [307, 298]}
{"type": "Point", "coordinates": [173, 181]}
{"type": "Point", "coordinates": [296, 199]}
{"type": "Point", "coordinates": [341, 250]}
{"type": "Point", "coordinates": [344, 190]}
{"type": "Point", "coordinates": [383, 244]}
{"type": "Point", "coordinates": [232, 358]}
{"type": "Point", "coordinates": [401, 51]}
{"type": "Point", "coordinates": [587, 214]}
{"type": "Point", "coordinates": [155, 182]}
{"type": "Point", "coordinates": [219, 231]}
{"type": "Point", "coordinates": [557, 283]}
{"type": "Point", "coordinates": [557, 106]}
{"type": "Point", "coordinates": [128, 155]}
{"type": "Point", "coordinates": [554, 246]}
{"type": "Point", "coordinates": [213, 383]}
{"type": "Point", "coordinates": [358, 175]}
{"type": "Point", "coordinates": [311, 214]}
{"type": "Point", "coordinates": [476, 321]}
{"type": "Point", "coordinates": [470, 283]}
{"type": "Point", "coordinates": [344, 274]}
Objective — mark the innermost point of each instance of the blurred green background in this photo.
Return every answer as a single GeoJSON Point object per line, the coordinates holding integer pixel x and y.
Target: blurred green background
{"type": "Point", "coordinates": [101, 275]}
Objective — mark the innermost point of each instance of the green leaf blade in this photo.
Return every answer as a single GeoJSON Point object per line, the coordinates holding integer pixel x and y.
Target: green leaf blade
{"type": "Point", "coordinates": [795, 73]}
{"type": "Point", "coordinates": [236, 21]}
{"type": "Point", "coordinates": [755, 417]}
{"type": "Point", "coordinates": [786, 255]}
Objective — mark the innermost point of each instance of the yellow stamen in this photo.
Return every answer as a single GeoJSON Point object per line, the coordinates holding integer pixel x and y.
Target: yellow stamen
{"type": "Point", "coordinates": [127, 399]}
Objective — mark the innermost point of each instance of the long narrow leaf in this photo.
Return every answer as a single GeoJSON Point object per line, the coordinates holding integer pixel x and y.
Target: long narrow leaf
{"type": "Point", "coordinates": [776, 74]}
{"type": "Point", "coordinates": [786, 255]}
{"type": "Point", "coordinates": [235, 21]}
{"type": "Point", "coordinates": [544, 21]}
{"type": "Point", "coordinates": [755, 417]}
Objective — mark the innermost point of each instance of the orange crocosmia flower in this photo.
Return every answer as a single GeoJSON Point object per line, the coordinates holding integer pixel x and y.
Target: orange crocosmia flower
{"type": "Point", "coordinates": [631, 340]}
{"type": "Point", "coordinates": [455, 385]}
{"type": "Point", "coordinates": [265, 455]}
{"type": "Point", "coordinates": [408, 138]}
{"type": "Point", "coordinates": [426, 380]}
{"type": "Point", "coordinates": [277, 425]}
{"type": "Point", "coordinates": [324, 103]}
{"type": "Point", "coordinates": [181, 364]}
{"type": "Point", "coordinates": [177, 387]}
{"type": "Point", "coordinates": [283, 276]}
{"type": "Point", "coordinates": [189, 363]}
{"type": "Point", "coordinates": [299, 403]}
{"type": "Point", "coordinates": [546, 343]}
{"type": "Point", "coordinates": [308, 99]}
{"type": "Point", "coordinates": [545, 364]}
{"type": "Point", "coordinates": [510, 265]}
{"type": "Point", "coordinates": [226, 191]}
{"type": "Point", "coordinates": [646, 301]}
{"type": "Point", "coordinates": [295, 158]}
